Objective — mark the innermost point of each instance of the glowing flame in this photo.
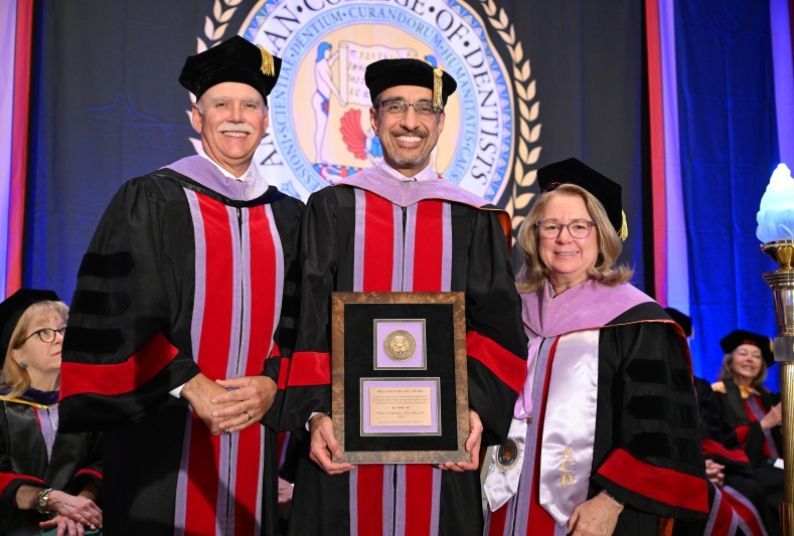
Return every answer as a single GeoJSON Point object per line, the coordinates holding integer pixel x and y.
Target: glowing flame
{"type": "Point", "coordinates": [776, 214]}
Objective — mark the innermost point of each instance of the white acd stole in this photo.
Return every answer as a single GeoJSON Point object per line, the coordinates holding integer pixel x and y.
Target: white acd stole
{"type": "Point", "coordinates": [566, 453]}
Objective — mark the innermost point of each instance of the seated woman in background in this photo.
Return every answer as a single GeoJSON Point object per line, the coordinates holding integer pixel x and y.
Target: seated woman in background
{"type": "Point", "coordinates": [736, 500]}
{"type": "Point", "coordinates": [604, 435]}
{"type": "Point", "coordinates": [45, 477]}
{"type": "Point", "coordinates": [752, 415]}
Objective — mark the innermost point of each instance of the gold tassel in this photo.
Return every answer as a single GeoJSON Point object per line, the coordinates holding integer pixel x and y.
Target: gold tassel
{"type": "Point", "coordinates": [624, 227]}
{"type": "Point", "coordinates": [268, 67]}
{"type": "Point", "coordinates": [438, 87]}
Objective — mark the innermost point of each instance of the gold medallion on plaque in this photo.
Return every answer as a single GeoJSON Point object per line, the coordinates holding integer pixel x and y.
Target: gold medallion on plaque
{"type": "Point", "coordinates": [399, 345]}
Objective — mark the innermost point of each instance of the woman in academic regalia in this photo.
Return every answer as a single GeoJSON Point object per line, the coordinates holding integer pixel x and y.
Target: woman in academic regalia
{"type": "Point", "coordinates": [751, 414]}
{"type": "Point", "coordinates": [753, 411]}
{"type": "Point", "coordinates": [604, 436]}
{"type": "Point", "coordinates": [45, 477]}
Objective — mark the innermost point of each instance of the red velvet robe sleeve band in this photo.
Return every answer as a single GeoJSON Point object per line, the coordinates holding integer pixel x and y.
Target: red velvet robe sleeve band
{"type": "Point", "coordinates": [118, 378]}
{"type": "Point", "coordinates": [505, 365]}
{"type": "Point", "coordinates": [309, 368]}
{"type": "Point", "coordinates": [628, 478]}
{"type": "Point", "coordinates": [12, 481]}
{"type": "Point", "coordinates": [717, 451]}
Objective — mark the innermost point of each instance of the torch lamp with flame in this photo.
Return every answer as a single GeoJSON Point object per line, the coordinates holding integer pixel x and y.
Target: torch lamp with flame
{"type": "Point", "coordinates": [776, 231]}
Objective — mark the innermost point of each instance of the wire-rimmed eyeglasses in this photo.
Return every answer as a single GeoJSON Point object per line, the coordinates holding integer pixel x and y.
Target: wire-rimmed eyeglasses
{"type": "Point", "coordinates": [400, 107]}
{"type": "Point", "coordinates": [576, 228]}
{"type": "Point", "coordinates": [46, 335]}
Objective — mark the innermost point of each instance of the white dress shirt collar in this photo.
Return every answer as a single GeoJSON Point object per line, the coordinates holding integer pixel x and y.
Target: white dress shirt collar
{"type": "Point", "coordinates": [426, 174]}
{"type": "Point", "coordinates": [250, 175]}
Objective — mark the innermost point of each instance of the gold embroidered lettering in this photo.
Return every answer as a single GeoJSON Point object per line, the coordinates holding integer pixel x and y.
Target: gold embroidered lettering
{"type": "Point", "coordinates": [566, 468]}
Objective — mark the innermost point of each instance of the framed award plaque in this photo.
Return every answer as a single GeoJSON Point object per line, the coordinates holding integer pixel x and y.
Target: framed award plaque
{"type": "Point", "coordinates": [398, 375]}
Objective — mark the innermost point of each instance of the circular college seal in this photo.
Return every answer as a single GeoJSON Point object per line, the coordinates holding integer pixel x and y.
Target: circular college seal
{"type": "Point", "coordinates": [399, 345]}
{"type": "Point", "coordinates": [320, 130]}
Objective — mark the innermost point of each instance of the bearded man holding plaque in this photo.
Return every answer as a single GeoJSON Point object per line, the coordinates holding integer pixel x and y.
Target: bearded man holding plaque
{"type": "Point", "coordinates": [399, 227]}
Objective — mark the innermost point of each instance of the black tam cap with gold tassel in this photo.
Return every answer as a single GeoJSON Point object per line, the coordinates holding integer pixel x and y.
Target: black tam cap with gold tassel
{"type": "Point", "coordinates": [234, 60]}
{"type": "Point", "coordinates": [607, 191]}
{"type": "Point", "coordinates": [383, 74]}
{"type": "Point", "coordinates": [267, 67]}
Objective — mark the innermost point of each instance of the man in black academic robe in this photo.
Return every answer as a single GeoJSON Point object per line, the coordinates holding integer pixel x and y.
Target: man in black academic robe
{"type": "Point", "coordinates": [185, 303]}
{"type": "Point", "coordinates": [399, 227]}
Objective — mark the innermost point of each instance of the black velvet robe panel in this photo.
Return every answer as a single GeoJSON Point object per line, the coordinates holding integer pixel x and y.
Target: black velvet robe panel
{"type": "Point", "coordinates": [646, 406]}
{"type": "Point", "coordinates": [137, 282]}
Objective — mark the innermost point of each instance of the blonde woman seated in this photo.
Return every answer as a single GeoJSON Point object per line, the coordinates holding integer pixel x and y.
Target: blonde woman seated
{"type": "Point", "coordinates": [604, 437]}
{"type": "Point", "coordinates": [751, 415]}
{"type": "Point", "coordinates": [47, 480]}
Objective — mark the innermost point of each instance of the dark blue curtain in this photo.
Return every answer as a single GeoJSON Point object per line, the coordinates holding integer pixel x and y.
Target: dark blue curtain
{"type": "Point", "coordinates": [728, 151]}
{"type": "Point", "coordinates": [106, 107]}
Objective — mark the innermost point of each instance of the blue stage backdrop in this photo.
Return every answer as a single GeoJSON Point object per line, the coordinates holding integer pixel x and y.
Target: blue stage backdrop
{"type": "Point", "coordinates": [729, 149]}
{"type": "Point", "coordinates": [539, 81]}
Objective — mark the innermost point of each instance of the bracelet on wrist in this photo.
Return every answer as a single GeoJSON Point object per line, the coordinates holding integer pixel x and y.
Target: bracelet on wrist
{"type": "Point", "coordinates": [43, 500]}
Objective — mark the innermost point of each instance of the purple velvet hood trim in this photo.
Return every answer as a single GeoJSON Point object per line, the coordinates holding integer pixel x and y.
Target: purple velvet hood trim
{"type": "Point", "coordinates": [406, 193]}
{"type": "Point", "coordinates": [204, 172]}
{"type": "Point", "coordinates": [591, 305]}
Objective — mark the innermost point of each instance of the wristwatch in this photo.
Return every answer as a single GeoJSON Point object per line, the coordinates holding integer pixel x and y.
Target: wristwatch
{"type": "Point", "coordinates": [42, 501]}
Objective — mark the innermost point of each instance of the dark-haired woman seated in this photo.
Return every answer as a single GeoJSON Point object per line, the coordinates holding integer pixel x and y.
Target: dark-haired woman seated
{"type": "Point", "coordinates": [47, 480]}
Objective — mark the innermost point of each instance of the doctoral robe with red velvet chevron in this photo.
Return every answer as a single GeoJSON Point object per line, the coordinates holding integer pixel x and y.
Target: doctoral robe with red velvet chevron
{"type": "Point", "coordinates": [415, 237]}
{"type": "Point", "coordinates": [182, 277]}
{"type": "Point", "coordinates": [634, 416]}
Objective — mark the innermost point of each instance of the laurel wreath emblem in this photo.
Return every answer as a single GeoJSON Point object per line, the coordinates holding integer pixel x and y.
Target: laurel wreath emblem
{"type": "Point", "coordinates": [524, 174]}
{"type": "Point", "coordinates": [528, 150]}
{"type": "Point", "coordinates": [215, 26]}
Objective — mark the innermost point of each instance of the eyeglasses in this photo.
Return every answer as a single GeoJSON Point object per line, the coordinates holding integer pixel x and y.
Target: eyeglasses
{"type": "Point", "coordinates": [400, 107]}
{"type": "Point", "coordinates": [576, 228]}
{"type": "Point", "coordinates": [46, 335]}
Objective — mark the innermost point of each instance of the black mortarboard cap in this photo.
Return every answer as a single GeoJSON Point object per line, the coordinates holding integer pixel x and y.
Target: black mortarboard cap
{"type": "Point", "coordinates": [234, 60]}
{"type": "Point", "coordinates": [681, 319]}
{"type": "Point", "coordinates": [11, 310]}
{"type": "Point", "coordinates": [737, 337]}
{"type": "Point", "coordinates": [607, 191]}
{"type": "Point", "coordinates": [383, 74]}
